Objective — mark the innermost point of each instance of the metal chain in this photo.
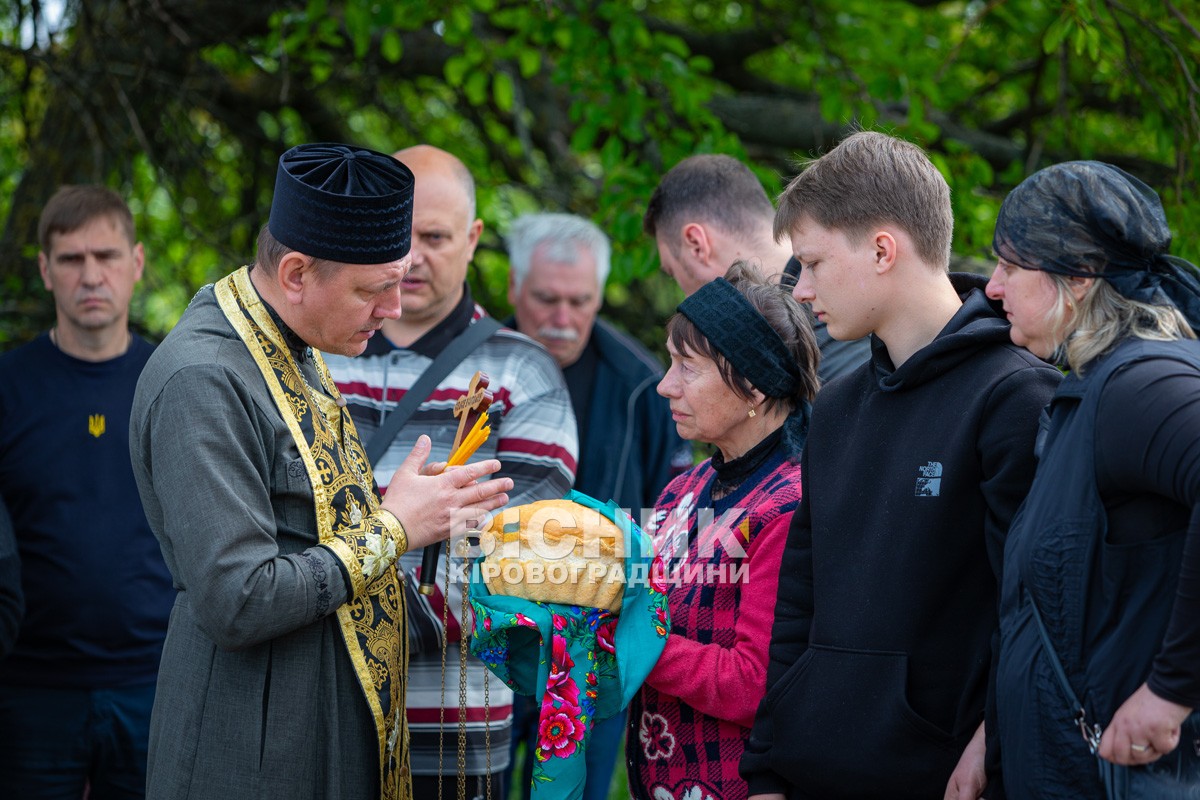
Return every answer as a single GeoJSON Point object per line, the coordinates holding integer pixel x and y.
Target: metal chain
{"type": "Point", "coordinates": [462, 694]}
{"type": "Point", "coordinates": [462, 691]}
{"type": "Point", "coordinates": [445, 646]}
{"type": "Point", "coordinates": [487, 699]}
{"type": "Point", "coordinates": [487, 731]}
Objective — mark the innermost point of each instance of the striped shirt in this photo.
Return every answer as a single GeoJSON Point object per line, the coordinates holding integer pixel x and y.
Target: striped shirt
{"type": "Point", "coordinates": [534, 438]}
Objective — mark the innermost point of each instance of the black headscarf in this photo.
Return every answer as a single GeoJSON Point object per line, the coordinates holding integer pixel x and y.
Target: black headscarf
{"type": "Point", "coordinates": [753, 348]}
{"type": "Point", "coordinates": [1089, 219]}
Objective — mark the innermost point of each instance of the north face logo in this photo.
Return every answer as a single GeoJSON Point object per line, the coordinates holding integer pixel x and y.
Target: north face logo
{"type": "Point", "coordinates": [929, 480]}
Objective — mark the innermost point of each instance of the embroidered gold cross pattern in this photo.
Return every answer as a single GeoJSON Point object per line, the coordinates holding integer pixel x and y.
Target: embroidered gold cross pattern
{"type": "Point", "coordinates": [96, 425]}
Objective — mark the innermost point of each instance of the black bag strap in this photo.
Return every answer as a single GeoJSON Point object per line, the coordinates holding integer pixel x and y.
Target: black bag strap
{"type": "Point", "coordinates": [1091, 733]}
{"type": "Point", "coordinates": [458, 349]}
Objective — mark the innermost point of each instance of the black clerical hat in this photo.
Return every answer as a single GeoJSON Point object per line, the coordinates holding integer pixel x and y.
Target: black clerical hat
{"type": "Point", "coordinates": [342, 203]}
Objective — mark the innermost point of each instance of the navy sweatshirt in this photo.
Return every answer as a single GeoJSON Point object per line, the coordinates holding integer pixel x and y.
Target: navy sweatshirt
{"type": "Point", "coordinates": [97, 592]}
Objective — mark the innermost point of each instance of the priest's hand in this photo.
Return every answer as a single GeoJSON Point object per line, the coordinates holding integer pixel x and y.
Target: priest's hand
{"type": "Point", "coordinates": [431, 507]}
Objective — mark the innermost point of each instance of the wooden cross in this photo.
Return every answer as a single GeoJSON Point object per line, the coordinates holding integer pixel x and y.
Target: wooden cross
{"type": "Point", "coordinates": [468, 408]}
{"type": "Point", "coordinates": [471, 406]}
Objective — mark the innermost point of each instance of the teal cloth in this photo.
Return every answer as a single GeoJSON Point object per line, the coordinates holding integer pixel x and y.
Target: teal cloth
{"type": "Point", "coordinates": [581, 664]}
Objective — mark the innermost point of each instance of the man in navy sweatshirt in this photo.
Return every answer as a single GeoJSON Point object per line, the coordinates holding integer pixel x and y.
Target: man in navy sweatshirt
{"type": "Point", "coordinates": [916, 461]}
{"type": "Point", "coordinates": [77, 688]}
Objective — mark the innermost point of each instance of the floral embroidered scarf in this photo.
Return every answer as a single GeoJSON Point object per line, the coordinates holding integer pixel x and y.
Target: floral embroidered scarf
{"type": "Point", "coordinates": [581, 664]}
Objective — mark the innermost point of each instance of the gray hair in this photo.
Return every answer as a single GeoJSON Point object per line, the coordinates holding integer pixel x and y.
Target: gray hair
{"type": "Point", "coordinates": [563, 235]}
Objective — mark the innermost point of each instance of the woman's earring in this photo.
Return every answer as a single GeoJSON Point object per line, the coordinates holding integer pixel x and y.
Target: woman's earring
{"type": "Point", "coordinates": [752, 413]}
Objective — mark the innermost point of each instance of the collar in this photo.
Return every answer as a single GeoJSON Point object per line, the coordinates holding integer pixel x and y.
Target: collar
{"type": "Point", "coordinates": [438, 337]}
{"type": "Point", "coordinates": [298, 347]}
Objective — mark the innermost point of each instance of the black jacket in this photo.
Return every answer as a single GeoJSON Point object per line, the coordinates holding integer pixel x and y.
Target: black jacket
{"type": "Point", "coordinates": [1106, 583]}
{"type": "Point", "coordinates": [882, 644]}
{"type": "Point", "coordinates": [631, 450]}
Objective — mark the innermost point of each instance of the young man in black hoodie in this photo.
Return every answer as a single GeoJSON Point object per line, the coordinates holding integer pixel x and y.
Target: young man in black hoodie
{"type": "Point", "coordinates": [915, 464]}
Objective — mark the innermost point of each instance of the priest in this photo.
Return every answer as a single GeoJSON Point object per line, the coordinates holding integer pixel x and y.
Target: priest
{"type": "Point", "coordinates": [284, 667]}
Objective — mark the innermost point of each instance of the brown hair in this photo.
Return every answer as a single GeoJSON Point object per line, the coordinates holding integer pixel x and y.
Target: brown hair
{"type": "Point", "coordinates": [715, 189]}
{"type": "Point", "coordinates": [270, 251]}
{"type": "Point", "coordinates": [782, 312]}
{"type": "Point", "coordinates": [72, 207]}
{"type": "Point", "coordinates": [868, 180]}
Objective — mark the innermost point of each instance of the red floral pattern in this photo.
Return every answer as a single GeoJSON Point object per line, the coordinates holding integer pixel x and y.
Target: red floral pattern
{"type": "Point", "coordinates": [658, 575]}
{"type": "Point", "coordinates": [559, 734]}
{"type": "Point", "coordinates": [560, 687]}
{"type": "Point", "coordinates": [605, 637]}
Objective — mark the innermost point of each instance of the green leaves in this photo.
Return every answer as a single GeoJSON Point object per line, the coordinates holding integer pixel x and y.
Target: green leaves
{"type": "Point", "coordinates": [579, 105]}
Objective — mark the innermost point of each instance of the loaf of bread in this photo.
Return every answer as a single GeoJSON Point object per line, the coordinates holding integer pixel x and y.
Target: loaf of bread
{"type": "Point", "coordinates": [555, 551]}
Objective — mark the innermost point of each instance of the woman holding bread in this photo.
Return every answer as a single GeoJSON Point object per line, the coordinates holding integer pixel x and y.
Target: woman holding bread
{"type": "Point", "coordinates": [743, 373]}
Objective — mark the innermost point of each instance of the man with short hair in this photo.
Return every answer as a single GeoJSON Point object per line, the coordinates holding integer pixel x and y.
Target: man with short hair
{"type": "Point", "coordinates": [284, 669]}
{"type": "Point", "coordinates": [77, 689]}
{"type": "Point", "coordinates": [629, 447]}
{"type": "Point", "coordinates": [882, 646]}
{"type": "Point", "coordinates": [533, 438]}
{"type": "Point", "coordinates": [709, 211]}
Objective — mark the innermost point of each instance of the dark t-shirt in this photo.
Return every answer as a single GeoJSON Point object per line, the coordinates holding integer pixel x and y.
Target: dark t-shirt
{"type": "Point", "coordinates": [97, 591]}
{"type": "Point", "coordinates": [12, 601]}
{"type": "Point", "coordinates": [580, 378]}
{"type": "Point", "coordinates": [1148, 474]}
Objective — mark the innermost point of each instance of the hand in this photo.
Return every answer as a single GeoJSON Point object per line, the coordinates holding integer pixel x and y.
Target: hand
{"type": "Point", "coordinates": [1144, 729]}
{"type": "Point", "coordinates": [434, 468]}
{"type": "Point", "coordinates": [969, 779]}
{"type": "Point", "coordinates": [774, 796]}
{"type": "Point", "coordinates": [430, 507]}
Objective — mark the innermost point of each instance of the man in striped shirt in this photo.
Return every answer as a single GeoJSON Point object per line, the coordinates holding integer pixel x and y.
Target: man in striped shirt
{"type": "Point", "coordinates": [533, 436]}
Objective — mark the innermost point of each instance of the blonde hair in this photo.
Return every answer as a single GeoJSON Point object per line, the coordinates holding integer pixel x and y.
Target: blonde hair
{"type": "Point", "coordinates": [1102, 318]}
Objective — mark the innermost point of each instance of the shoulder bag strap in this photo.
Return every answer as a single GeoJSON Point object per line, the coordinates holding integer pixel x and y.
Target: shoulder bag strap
{"type": "Point", "coordinates": [1091, 733]}
{"type": "Point", "coordinates": [458, 349]}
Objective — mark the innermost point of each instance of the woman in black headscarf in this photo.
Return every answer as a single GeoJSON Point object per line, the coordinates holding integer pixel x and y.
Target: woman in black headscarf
{"type": "Point", "coordinates": [1100, 607]}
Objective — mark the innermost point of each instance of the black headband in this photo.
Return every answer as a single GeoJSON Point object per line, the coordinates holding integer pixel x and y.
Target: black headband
{"type": "Point", "coordinates": [743, 337]}
{"type": "Point", "coordinates": [755, 349]}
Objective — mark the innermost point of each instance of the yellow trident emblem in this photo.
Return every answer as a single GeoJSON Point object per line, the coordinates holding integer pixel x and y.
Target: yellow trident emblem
{"type": "Point", "coordinates": [96, 425]}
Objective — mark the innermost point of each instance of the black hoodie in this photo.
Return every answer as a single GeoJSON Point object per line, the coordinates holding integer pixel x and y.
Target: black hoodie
{"type": "Point", "coordinates": [882, 644]}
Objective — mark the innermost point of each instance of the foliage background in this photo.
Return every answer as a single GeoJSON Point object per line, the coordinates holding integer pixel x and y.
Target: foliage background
{"type": "Point", "coordinates": [576, 105]}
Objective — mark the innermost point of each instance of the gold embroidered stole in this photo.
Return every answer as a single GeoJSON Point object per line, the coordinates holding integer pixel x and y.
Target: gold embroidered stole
{"type": "Point", "coordinates": [373, 623]}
